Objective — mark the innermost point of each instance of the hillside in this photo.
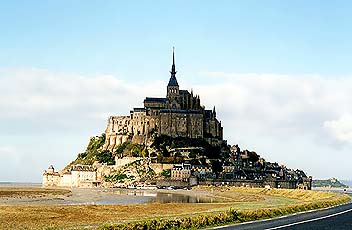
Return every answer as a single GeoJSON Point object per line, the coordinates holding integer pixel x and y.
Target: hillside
{"type": "Point", "coordinates": [331, 183]}
{"type": "Point", "coordinates": [347, 182]}
{"type": "Point", "coordinates": [95, 152]}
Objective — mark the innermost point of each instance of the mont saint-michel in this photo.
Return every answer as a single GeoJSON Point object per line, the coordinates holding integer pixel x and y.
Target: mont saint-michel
{"type": "Point", "coordinates": [171, 141]}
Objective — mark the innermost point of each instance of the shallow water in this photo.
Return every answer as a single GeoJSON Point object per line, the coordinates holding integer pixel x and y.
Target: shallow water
{"type": "Point", "coordinates": [180, 198]}
{"type": "Point", "coordinates": [126, 196]}
{"type": "Point", "coordinates": [107, 196]}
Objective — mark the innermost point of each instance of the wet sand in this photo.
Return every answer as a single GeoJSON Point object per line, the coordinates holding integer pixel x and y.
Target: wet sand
{"type": "Point", "coordinates": [103, 196]}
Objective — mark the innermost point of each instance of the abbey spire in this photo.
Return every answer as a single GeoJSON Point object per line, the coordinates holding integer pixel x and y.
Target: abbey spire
{"type": "Point", "coordinates": [173, 80]}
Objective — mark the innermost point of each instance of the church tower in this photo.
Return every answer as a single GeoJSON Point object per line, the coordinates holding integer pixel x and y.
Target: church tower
{"type": "Point", "coordinates": [173, 88]}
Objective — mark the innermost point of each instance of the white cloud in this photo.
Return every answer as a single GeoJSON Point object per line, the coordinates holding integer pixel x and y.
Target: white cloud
{"type": "Point", "coordinates": [34, 98]}
{"type": "Point", "coordinates": [301, 121]}
{"type": "Point", "coordinates": [26, 92]}
{"type": "Point", "coordinates": [279, 104]}
{"type": "Point", "coordinates": [284, 118]}
{"type": "Point", "coordinates": [341, 129]}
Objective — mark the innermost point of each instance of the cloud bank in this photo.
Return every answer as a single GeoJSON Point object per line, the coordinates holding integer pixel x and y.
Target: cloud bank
{"type": "Point", "coordinates": [341, 128]}
{"type": "Point", "coordinates": [278, 104]}
{"type": "Point", "coordinates": [296, 120]}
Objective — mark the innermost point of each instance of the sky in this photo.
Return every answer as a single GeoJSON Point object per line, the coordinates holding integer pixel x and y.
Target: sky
{"type": "Point", "coordinates": [278, 72]}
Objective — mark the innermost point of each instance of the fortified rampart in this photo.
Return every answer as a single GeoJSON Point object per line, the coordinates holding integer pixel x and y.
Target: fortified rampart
{"type": "Point", "coordinates": [285, 184]}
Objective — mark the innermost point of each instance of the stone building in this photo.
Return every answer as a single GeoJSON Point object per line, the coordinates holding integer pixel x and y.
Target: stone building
{"type": "Point", "coordinates": [50, 177]}
{"type": "Point", "coordinates": [203, 172]}
{"type": "Point", "coordinates": [77, 176]}
{"type": "Point", "coordinates": [84, 176]}
{"type": "Point", "coordinates": [179, 114]}
{"type": "Point", "coordinates": [181, 172]}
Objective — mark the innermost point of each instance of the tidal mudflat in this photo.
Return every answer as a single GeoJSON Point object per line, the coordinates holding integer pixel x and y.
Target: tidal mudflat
{"type": "Point", "coordinates": [35, 195]}
{"type": "Point", "coordinates": [38, 208]}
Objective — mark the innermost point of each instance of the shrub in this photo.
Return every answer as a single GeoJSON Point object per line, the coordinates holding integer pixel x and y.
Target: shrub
{"type": "Point", "coordinates": [105, 156]}
{"type": "Point", "coordinates": [166, 173]}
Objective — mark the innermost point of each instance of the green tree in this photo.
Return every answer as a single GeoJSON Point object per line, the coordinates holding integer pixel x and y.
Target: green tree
{"type": "Point", "coordinates": [105, 156]}
{"type": "Point", "coordinates": [166, 173]}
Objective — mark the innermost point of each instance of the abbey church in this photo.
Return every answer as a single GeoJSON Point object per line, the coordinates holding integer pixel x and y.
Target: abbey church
{"type": "Point", "coordinates": [179, 114]}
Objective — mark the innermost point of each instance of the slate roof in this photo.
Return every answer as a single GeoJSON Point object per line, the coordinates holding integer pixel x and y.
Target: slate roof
{"type": "Point", "coordinates": [173, 81]}
{"type": "Point", "coordinates": [155, 99]}
{"type": "Point", "coordinates": [180, 111]}
{"type": "Point", "coordinates": [139, 109]}
{"type": "Point", "coordinates": [83, 168]}
{"type": "Point", "coordinates": [182, 91]}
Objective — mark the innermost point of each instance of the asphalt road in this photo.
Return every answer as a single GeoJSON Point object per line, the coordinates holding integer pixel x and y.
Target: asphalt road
{"type": "Point", "coordinates": [339, 217]}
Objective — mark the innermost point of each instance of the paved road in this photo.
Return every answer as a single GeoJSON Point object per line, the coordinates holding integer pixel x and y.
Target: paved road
{"type": "Point", "coordinates": [339, 217]}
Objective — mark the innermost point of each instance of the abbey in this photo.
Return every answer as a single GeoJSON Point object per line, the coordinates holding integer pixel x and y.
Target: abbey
{"type": "Point", "coordinates": [170, 141]}
{"type": "Point", "coordinates": [179, 114]}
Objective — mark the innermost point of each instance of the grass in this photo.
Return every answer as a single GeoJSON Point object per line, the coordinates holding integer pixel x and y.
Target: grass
{"type": "Point", "coordinates": [296, 201]}
{"type": "Point", "coordinates": [38, 217]}
{"type": "Point", "coordinates": [235, 205]}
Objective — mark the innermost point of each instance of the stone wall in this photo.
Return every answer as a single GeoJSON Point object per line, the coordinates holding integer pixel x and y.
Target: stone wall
{"type": "Point", "coordinates": [113, 140]}
{"type": "Point", "coordinates": [83, 178]}
{"type": "Point", "coordinates": [120, 162]}
{"type": "Point", "coordinates": [286, 184]}
{"type": "Point", "coordinates": [175, 183]}
{"type": "Point", "coordinates": [135, 128]}
{"type": "Point", "coordinates": [159, 167]}
{"type": "Point", "coordinates": [181, 124]}
{"type": "Point", "coordinates": [66, 180]}
{"type": "Point", "coordinates": [154, 104]}
{"type": "Point", "coordinates": [213, 127]}
{"type": "Point", "coordinates": [51, 179]}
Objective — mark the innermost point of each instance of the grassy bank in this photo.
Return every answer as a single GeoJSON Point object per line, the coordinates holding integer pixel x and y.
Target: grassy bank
{"type": "Point", "coordinates": [305, 200]}
{"type": "Point", "coordinates": [233, 205]}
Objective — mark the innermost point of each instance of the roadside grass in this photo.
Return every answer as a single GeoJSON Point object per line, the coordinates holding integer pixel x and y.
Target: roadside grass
{"type": "Point", "coordinates": [234, 205]}
{"type": "Point", "coordinates": [305, 195]}
{"type": "Point", "coordinates": [296, 201]}
{"type": "Point", "coordinates": [58, 217]}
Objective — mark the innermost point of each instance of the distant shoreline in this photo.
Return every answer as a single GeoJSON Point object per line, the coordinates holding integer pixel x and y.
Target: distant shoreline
{"type": "Point", "coordinates": [333, 189]}
{"type": "Point", "coordinates": [18, 182]}
{"type": "Point", "coordinates": [25, 184]}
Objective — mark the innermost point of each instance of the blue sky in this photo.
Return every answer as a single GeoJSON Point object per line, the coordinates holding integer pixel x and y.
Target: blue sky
{"type": "Point", "coordinates": [117, 36]}
{"type": "Point", "coordinates": [278, 72]}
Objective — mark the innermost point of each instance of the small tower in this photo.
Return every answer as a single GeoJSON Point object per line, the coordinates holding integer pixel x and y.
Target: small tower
{"type": "Point", "coordinates": [51, 169]}
{"type": "Point", "coordinates": [172, 87]}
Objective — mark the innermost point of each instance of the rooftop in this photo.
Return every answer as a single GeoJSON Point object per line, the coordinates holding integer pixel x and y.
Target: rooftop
{"type": "Point", "coordinates": [173, 81]}
{"type": "Point", "coordinates": [180, 111]}
{"type": "Point", "coordinates": [155, 99]}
